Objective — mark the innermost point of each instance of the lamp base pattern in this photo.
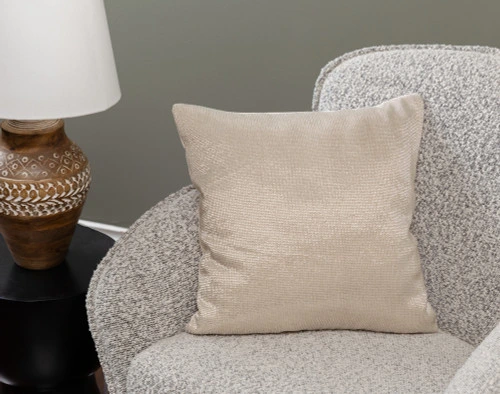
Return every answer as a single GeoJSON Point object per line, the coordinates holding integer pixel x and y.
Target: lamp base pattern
{"type": "Point", "coordinates": [44, 180]}
{"type": "Point", "coordinates": [45, 197]}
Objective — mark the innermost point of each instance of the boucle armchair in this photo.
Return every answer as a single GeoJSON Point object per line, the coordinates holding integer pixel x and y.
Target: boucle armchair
{"type": "Point", "coordinates": [144, 291]}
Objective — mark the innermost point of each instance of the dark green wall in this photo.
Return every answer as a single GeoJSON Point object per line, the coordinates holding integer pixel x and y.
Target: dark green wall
{"type": "Point", "coordinates": [243, 55]}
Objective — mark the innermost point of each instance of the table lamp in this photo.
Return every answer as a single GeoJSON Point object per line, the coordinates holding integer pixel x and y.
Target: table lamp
{"type": "Point", "coordinates": [56, 61]}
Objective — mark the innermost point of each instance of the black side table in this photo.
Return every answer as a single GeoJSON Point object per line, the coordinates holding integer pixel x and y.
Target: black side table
{"type": "Point", "coordinates": [45, 342]}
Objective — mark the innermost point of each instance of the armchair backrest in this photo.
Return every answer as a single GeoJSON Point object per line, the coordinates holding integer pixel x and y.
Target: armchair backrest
{"type": "Point", "coordinates": [457, 219]}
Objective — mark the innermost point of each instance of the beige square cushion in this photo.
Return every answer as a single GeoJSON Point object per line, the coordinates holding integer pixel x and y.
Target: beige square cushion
{"type": "Point", "coordinates": [304, 219]}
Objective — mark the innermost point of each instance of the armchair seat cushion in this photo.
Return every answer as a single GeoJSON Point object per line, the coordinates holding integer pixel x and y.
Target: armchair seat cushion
{"type": "Point", "coordinates": [305, 362]}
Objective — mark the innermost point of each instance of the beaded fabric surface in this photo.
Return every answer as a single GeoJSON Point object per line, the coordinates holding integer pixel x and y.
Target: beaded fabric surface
{"type": "Point", "coordinates": [304, 219]}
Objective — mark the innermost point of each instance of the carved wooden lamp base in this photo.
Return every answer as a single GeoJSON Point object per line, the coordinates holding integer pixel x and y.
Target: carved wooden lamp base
{"type": "Point", "coordinates": [44, 180]}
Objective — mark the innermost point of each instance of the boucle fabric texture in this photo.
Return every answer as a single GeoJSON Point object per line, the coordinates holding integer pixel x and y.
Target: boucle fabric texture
{"type": "Point", "coordinates": [304, 219]}
{"type": "Point", "coordinates": [145, 288]}
{"type": "Point", "coordinates": [304, 362]}
{"type": "Point", "coordinates": [457, 218]}
{"type": "Point", "coordinates": [481, 372]}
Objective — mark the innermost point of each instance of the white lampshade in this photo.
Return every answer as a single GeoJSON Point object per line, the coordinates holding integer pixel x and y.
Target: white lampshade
{"type": "Point", "coordinates": [56, 59]}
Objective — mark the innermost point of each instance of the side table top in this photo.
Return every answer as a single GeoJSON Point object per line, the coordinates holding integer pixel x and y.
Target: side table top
{"type": "Point", "coordinates": [69, 279]}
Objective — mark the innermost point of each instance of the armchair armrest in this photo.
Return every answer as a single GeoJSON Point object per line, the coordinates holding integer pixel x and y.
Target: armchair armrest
{"type": "Point", "coordinates": [481, 371]}
{"type": "Point", "coordinates": [145, 288]}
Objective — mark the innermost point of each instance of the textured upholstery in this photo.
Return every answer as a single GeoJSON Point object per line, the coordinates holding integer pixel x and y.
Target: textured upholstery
{"type": "Point", "coordinates": [145, 288]}
{"type": "Point", "coordinates": [457, 218]}
{"type": "Point", "coordinates": [481, 372]}
{"type": "Point", "coordinates": [306, 362]}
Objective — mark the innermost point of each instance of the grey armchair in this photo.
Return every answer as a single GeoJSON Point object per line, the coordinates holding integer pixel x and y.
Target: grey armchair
{"type": "Point", "coordinates": [144, 291]}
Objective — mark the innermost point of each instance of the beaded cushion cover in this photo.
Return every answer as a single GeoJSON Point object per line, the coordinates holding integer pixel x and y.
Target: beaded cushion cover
{"type": "Point", "coordinates": [304, 219]}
